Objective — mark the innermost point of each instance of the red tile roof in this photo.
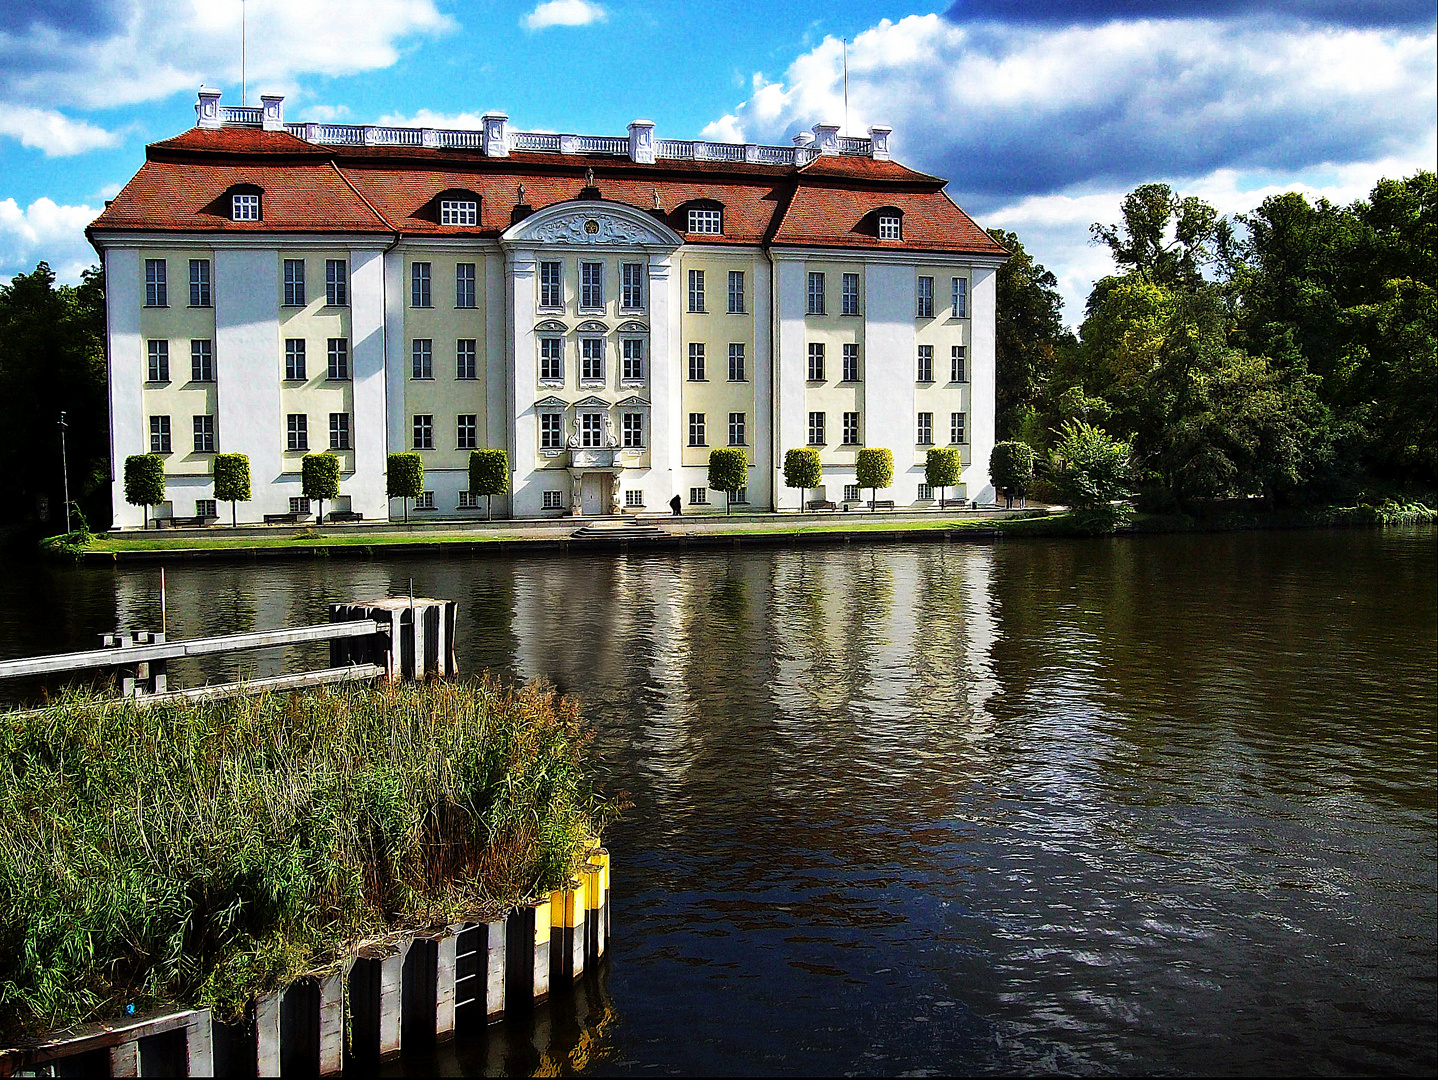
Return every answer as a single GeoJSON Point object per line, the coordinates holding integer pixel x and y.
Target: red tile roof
{"type": "Point", "coordinates": [184, 183]}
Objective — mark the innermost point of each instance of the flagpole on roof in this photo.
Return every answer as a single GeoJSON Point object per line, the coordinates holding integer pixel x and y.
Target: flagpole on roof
{"type": "Point", "coordinates": [243, 85]}
{"type": "Point", "coordinates": [846, 84]}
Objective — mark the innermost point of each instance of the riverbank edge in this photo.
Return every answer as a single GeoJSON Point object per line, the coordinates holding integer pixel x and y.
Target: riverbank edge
{"type": "Point", "coordinates": [1036, 523]}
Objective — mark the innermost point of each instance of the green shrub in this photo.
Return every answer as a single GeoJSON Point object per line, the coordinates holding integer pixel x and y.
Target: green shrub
{"type": "Point", "coordinates": [1011, 468]}
{"type": "Point", "coordinates": [145, 481]}
{"type": "Point", "coordinates": [803, 469]}
{"type": "Point", "coordinates": [488, 475]}
{"type": "Point", "coordinates": [1088, 467]}
{"type": "Point", "coordinates": [728, 472]}
{"type": "Point", "coordinates": [232, 480]}
{"type": "Point", "coordinates": [942, 466]}
{"type": "Point", "coordinates": [404, 478]}
{"type": "Point", "coordinates": [874, 469]}
{"type": "Point", "coordinates": [320, 479]}
{"type": "Point", "coordinates": [197, 853]}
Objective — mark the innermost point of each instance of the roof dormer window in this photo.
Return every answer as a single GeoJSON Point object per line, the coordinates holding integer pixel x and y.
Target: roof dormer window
{"type": "Point", "coordinates": [458, 212]}
{"type": "Point", "coordinates": [706, 222]}
{"type": "Point", "coordinates": [244, 207]}
{"type": "Point", "coordinates": [890, 227]}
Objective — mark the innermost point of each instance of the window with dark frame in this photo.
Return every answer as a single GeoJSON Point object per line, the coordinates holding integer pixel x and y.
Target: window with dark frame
{"type": "Point", "coordinates": [816, 293]}
{"type": "Point", "coordinates": [466, 363]}
{"type": "Point", "coordinates": [422, 358]}
{"type": "Point", "coordinates": [423, 431]}
{"type": "Point", "coordinates": [925, 432]}
{"type": "Point", "coordinates": [200, 283]}
{"type": "Point", "coordinates": [632, 424]}
{"type": "Point", "coordinates": [956, 427]}
{"type": "Point", "coordinates": [551, 285]}
{"type": "Point", "coordinates": [297, 432]}
{"type": "Point", "coordinates": [157, 293]}
{"type": "Point", "coordinates": [204, 428]}
{"type": "Point", "coordinates": [816, 361]}
{"type": "Point", "coordinates": [696, 429]}
{"type": "Point", "coordinates": [464, 285]}
{"type": "Point", "coordinates": [926, 298]}
{"type": "Point", "coordinates": [961, 298]}
{"type": "Point", "coordinates": [294, 283]}
{"type": "Point", "coordinates": [696, 291]}
{"type": "Point", "coordinates": [736, 362]}
{"type": "Point", "coordinates": [633, 357]}
{"type": "Point", "coordinates": [337, 283]}
{"type": "Point", "coordinates": [591, 285]}
{"type": "Point", "coordinates": [551, 359]}
{"type": "Point", "coordinates": [159, 360]}
{"type": "Point", "coordinates": [419, 292]}
{"type": "Point", "coordinates": [466, 427]}
{"type": "Point", "coordinates": [159, 434]}
{"type": "Point", "coordinates": [631, 287]}
{"type": "Point", "coordinates": [926, 364]}
{"type": "Point", "coordinates": [736, 292]}
{"type": "Point", "coordinates": [851, 362]}
{"type": "Point", "coordinates": [202, 360]}
{"type": "Point", "coordinates": [295, 359]}
{"type": "Point", "coordinates": [337, 358]}
{"type": "Point", "coordinates": [591, 359]}
{"type": "Point", "coordinates": [696, 361]}
{"type": "Point", "coordinates": [736, 429]}
{"type": "Point", "coordinates": [339, 431]}
{"type": "Point", "coordinates": [958, 365]}
{"type": "Point", "coordinates": [816, 429]}
{"type": "Point", "coordinates": [850, 294]}
{"type": "Point", "coordinates": [551, 431]}
{"type": "Point", "coordinates": [591, 429]}
{"type": "Point", "coordinates": [851, 429]}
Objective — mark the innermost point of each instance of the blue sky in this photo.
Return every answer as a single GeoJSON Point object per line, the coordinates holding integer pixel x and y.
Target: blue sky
{"type": "Point", "coordinates": [1041, 114]}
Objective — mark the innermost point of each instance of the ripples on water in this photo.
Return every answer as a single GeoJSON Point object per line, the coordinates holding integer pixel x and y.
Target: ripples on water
{"type": "Point", "coordinates": [1158, 804]}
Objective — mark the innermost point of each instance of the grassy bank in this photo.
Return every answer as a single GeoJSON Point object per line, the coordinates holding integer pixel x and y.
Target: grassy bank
{"type": "Point", "coordinates": [200, 852]}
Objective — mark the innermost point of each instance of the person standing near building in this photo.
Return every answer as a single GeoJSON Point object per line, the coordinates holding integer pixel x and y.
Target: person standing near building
{"type": "Point", "coordinates": [675, 504]}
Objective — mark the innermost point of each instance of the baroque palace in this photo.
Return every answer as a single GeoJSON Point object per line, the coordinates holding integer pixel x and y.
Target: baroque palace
{"type": "Point", "coordinates": [605, 309]}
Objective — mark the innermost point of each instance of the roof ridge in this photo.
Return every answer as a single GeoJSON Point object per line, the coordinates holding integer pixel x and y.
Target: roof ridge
{"type": "Point", "coordinates": [373, 209]}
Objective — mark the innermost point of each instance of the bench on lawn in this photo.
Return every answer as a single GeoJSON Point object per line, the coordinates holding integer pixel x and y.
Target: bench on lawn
{"type": "Point", "coordinates": [296, 517]}
{"type": "Point", "coordinates": [345, 515]}
{"type": "Point", "coordinates": [958, 504]}
{"type": "Point", "coordinates": [189, 522]}
{"type": "Point", "coordinates": [882, 504]}
{"type": "Point", "coordinates": [821, 504]}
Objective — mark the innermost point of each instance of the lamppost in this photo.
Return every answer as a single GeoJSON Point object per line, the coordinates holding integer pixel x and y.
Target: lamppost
{"type": "Point", "coordinates": [65, 470]}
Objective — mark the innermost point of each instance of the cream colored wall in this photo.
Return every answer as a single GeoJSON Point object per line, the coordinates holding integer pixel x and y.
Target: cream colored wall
{"type": "Point", "coordinates": [942, 397]}
{"type": "Point", "coordinates": [717, 397]}
{"type": "Point", "coordinates": [180, 399]}
{"type": "Point", "coordinates": [831, 395]}
{"type": "Point", "coordinates": [316, 396]}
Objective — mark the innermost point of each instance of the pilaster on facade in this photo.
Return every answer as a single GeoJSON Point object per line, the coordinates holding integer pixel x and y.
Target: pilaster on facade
{"type": "Point", "coordinates": [124, 293]}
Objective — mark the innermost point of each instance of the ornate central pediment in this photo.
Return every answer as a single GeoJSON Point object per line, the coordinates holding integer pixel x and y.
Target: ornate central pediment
{"type": "Point", "coordinates": [591, 223]}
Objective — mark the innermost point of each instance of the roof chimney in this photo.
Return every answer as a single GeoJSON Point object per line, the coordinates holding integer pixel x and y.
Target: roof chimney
{"type": "Point", "coordinates": [207, 108]}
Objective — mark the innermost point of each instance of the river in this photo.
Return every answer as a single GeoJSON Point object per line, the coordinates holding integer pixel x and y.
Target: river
{"type": "Point", "coordinates": [1153, 804]}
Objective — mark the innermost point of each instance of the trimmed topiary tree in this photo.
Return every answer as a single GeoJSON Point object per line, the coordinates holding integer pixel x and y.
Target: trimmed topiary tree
{"type": "Point", "coordinates": [232, 480]}
{"type": "Point", "coordinates": [803, 469]}
{"type": "Point", "coordinates": [874, 469]}
{"type": "Point", "coordinates": [404, 478]}
{"type": "Point", "coordinates": [145, 482]}
{"type": "Point", "coordinates": [728, 472]}
{"type": "Point", "coordinates": [488, 475]}
{"type": "Point", "coordinates": [942, 465]}
{"type": "Point", "coordinates": [320, 476]}
{"type": "Point", "coordinates": [1011, 467]}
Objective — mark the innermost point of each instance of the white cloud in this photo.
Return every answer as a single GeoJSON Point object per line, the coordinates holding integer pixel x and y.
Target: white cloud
{"type": "Point", "coordinates": [563, 13]}
{"type": "Point", "coordinates": [45, 230]}
{"type": "Point", "coordinates": [53, 133]}
{"type": "Point", "coordinates": [462, 121]}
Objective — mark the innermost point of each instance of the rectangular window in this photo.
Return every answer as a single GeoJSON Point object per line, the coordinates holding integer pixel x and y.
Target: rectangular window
{"type": "Point", "coordinates": [740, 496]}
{"type": "Point", "coordinates": [851, 294]}
{"type": "Point", "coordinates": [851, 492]}
{"type": "Point", "coordinates": [707, 222]}
{"type": "Point", "coordinates": [816, 294]}
{"type": "Point", "coordinates": [199, 283]}
{"type": "Point", "coordinates": [338, 359]}
{"type": "Point", "coordinates": [633, 370]}
{"type": "Point", "coordinates": [696, 290]}
{"type": "Point", "coordinates": [816, 361]}
{"type": "Point", "coordinates": [956, 427]}
{"type": "Point", "coordinates": [591, 429]}
{"type": "Point", "coordinates": [244, 208]}
{"type": "Point", "coordinates": [958, 366]}
{"type": "Point", "coordinates": [551, 431]}
{"type": "Point", "coordinates": [736, 361]}
{"type": "Point", "coordinates": [925, 436]}
{"type": "Point", "coordinates": [202, 360]}
{"type": "Point", "coordinates": [204, 434]}
{"type": "Point", "coordinates": [551, 288]}
{"type": "Point", "coordinates": [925, 492]}
{"type": "Point", "coordinates": [816, 429]}
{"type": "Point", "coordinates": [425, 501]}
{"type": "Point", "coordinates": [458, 212]}
{"type": "Point", "coordinates": [422, 358]}
{"type": "Point", "coordinates": [294, 283]}
{"type": "Point", "coordinates": [551, 359]}
{"type": "Point", "coordinates": [464, 285]}
{"type": "Point", "coordinates": [736, 429]}
{"type": "Point", "coordinates": [467, 501]}
{"type": "Point", "coordinates": [423, 431]}
{"type": "Point", "coordinates": [926, 363]}
{"type": "Point", "coordinates": [337, 283]}
{"type": "Point", "coordinates": [633, 425]}
{"type": "Point", "coordinates": [591, 285]}
{"type": "Point", "coordinates": [156, 290]}
{"type": "Point", "coordinates": [889, 227]}
{"type": "Point", "coordinates": [159, 361]}
{"type": "Point", "coordinates": [466, 426]}
{"type": "Point", "coordinates": [634, 499]}
{"type": "Point", "coordinates": [696, 361]}
{"type": "Point", "coordinates": [591, 359]}
{"type": "Point", "coordinates": [299, 506]}
{"type": "Point", "coordinates": [696, 430]}
{"type": "Point", "coordinates": [851, 429]}
{"type": "Point", "coordinates": [554, 500]}
{"type": "Point", "coordinates": [419, 295]}
{"type": "Point", "coordinates": [961, 298]}
{"type": "Point", "coordinates": [631, 293]}
{"type": "Point", "coordinates": [736, 292]}
{"type": "Point", "coordinates": [699, 496]}
{"type": "Point", "coordinates": [297, 432]}
{"type": "Point", "coordinates": [205, 508]}
{"type": "Point", "coordinates": [465, 363]}
{"type": "Point", "coordinates": [295, 359]}
{"type": "Point", "coordinates": [339, 431]}
{"type": "Point", "coordinates": [851, 362]}
{"type": "Point", "coordinates": [926, 297]}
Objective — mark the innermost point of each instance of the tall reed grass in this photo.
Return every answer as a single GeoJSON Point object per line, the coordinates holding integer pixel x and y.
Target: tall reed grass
{"type": "Point", "coordinates": [202, 852]}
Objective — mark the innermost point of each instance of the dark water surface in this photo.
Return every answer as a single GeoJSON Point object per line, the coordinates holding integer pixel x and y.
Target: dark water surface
{"type": "Point", "coordinates": [1153, 804]}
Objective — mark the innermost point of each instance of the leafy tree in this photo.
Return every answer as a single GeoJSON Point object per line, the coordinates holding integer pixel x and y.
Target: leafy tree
{"type": "Point", "coordinates": [1166, 239]}
{"type": "Point", "coordinates": [488, 475]}
{"type": "Point", "coordinates": [874, 469]}
{"type": "Point", "coordinates": [803, 469]}
{"type": "Point", "coordinates": [1011, 467]}
{"type": "Point", "coordinates": [1028, 335]}
{"type": "Point", "coordinates": [404, 478]}
{"type": "Point", "coordinates": [232, 480]}
{"type": "Point", "coordinates": [320, 479]}
{"type": "Point", "coordinates": [52, 359]}
{"type": "Point", "coordinates": [728, 472]}
{"type": "Point", "coordinates": [942, 466]}
{"type": "Point", "coordinates": [1089, 469]}
{"type": "Point", "coordinates": [145, 482]}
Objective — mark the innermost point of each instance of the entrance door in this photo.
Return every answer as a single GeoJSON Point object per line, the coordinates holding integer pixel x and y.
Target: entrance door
{"type": "Point", "coordinates": [592, 492]}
